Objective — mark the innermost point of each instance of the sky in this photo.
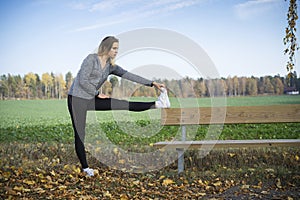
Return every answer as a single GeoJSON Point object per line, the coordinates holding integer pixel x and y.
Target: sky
{"type": "Point", "coordinates": [241, 37]}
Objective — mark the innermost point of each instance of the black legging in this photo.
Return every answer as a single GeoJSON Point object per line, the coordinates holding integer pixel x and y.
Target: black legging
{"type": "Point", "coordinates": [78, 108]}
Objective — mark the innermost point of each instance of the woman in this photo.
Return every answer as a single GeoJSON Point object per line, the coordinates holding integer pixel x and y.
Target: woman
{"type": "Point", "coordinates": [84, 95]}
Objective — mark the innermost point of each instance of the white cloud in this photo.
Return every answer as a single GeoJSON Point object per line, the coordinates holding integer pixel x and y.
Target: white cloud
{"type": "Point", "coordinates": [129, 10]}
{"type": "Point", "coordinates": [108, 5]}
{"type": "Point", "coordinates": [254, 8]}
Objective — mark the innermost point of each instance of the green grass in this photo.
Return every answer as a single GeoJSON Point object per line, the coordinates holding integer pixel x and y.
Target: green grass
{"type": "Point", "coordinates": [49, 120]}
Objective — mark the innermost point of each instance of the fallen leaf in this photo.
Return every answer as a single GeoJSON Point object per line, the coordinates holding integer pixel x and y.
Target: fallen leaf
{"type": "Point", "coordinates": [264, 192]}
{"type": "Point", "coordinates": [167, 182]}
{"type": "Point", "coordinates": [201, 194]}
{"type": "Point", "coordinates": [245, 187]}
{"type": "Point", "coordinates": [278, 183]}
{"type": "Point", "coordinates": [29, 182]}
{"type": "Point", "coordinates": [217, 184]}
{"type": "Point", "coordinates": [231, 154]}
{"type": "Point", "coordinates": [123, 197]}
{"type": "Point", "coordinates": [107, 194]}
{"type": "Point", "coordinates": [122, 161]}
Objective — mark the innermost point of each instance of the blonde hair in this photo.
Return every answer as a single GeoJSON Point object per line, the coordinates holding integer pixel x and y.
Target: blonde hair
{"type": "Point", "coordinates": [105, 46]}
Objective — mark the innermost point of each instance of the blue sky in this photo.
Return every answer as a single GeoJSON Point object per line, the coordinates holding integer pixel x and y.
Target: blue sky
{"type": "Point", "coordinates": [242, 37]}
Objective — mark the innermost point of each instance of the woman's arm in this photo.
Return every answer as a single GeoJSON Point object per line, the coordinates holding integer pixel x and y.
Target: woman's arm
{"type": "Point", "coordinates": [119, 71]}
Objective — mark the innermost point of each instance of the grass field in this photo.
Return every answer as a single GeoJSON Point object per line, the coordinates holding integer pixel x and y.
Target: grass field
{"type": "Point", "coordinates": [37, 158]}
{"type": "Point", "coordinates": [49, 120]}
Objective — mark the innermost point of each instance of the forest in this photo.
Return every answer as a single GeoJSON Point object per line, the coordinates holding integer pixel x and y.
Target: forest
{"type": "Point", "coordinates": [56, 86]}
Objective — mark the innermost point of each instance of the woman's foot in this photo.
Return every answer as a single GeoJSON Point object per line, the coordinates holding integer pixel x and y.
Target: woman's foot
{"type": "Point", "coordinates": [163, 99]}
{"type": "Point", "coordinates": [89, 171]}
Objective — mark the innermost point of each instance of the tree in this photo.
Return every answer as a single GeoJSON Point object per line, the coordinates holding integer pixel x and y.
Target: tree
{"type": "Point", "coordinates": [268, 87]}
{"type": "Point", "coordinates": [47, 83]}
{"type": "Point", "coordinates": [60, 86]}
{"type": "Point", "coordinates": [279, 87]}
{"type": "Point", "coordinates": [114, 81]}
{"type": "Point", "coordinates": [4, 87]}
{"type": "Point", "coordinates": [242, 85]}
{"type": "Point", "coordinates": [69, 80]}
{"type": "Point", "coordinates": [30, 80]}
{"type": "Point", "coordinates": [251, 86]}
{"type": "Point", "coordinates": [229, 86]}
{"type": "Point", "coordinates": [20, 93]}
{"type": "Point", "coordinates": [290, 39]}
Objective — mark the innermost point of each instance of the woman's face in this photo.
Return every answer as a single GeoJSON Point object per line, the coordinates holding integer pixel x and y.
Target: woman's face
{"type": "Point", "coordinates": [114, 50]}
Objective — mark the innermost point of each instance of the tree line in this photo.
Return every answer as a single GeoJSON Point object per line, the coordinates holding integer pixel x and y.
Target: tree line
{"type": "Point", "coordinates": [56, 86]}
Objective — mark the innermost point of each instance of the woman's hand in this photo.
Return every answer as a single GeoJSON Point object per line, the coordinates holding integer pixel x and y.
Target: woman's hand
{"type": "Point", "coordinates": [158, 85]}
{"type": "Point", "coordinates": [102, 96]}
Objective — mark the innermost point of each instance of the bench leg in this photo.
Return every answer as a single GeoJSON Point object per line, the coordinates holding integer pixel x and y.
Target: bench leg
{"type": "Point", "coordinates": [180, 152]}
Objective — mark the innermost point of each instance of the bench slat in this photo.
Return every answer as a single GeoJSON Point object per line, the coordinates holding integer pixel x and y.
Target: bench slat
{"type": "Point", "coordinates": [228, 144]}
{"type": "Point", "coordinates": [231, 115]}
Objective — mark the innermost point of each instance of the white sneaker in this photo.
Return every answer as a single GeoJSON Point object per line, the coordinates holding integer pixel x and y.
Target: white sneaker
{"type": "Point", "coordinates": [89, 171]}
{"type": "Point", "coordinates": [163, 99]}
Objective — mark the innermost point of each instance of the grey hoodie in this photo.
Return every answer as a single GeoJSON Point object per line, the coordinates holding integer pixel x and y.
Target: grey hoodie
{"type": "Point", "coordinates": [91, 76]}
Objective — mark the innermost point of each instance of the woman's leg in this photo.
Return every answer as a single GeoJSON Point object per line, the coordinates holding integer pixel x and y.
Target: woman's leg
{"type": "Point", "coordinates": [78, 109]}
{"type": "Point", "coordinates": [116, 104]}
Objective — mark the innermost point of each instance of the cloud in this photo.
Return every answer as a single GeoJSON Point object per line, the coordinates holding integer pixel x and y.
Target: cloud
{"type": "Point", "coordinates": [254, 8]}
{"type": "Point", "coordinates": [108, 5]}
{"type": "Point", "coordinates": [129, 10]}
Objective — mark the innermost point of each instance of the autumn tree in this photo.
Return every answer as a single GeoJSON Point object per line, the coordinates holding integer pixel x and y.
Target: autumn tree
{"type": "Point", "coordinates": [47, 83]}
{"type": "Point", "coordinates": [251, 86]}
{"type": "Point", "coordinates": [290, 39]}
{"type": "Point", "coordinates": [60, 86]}
{"type": "Point", "coordinates": [279, 87]}
{"type": "Point", "coordinates": [30, 84]}
{"type": "Point", "coordinates": [69, 80]}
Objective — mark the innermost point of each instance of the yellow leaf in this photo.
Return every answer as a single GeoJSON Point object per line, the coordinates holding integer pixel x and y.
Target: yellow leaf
{"type": "Point", "coordinates": [231, 154]}
{"type": "Point", "coordinates": [122, 161]}
{"type": "Point", "coordinates": [18, 188]}
{"type": "Point", "coordinates": [258, 186]}
{"type": "Point", "coordinates": [201, 194]}
{"type": "Point", "coordinates": [62, 187]}
{"type": "Point", "coordinates": [278, 183]}
{"type": "Point", "coordinates": [116, 151]}
{"type": "Point", "coordinates": [26, 190]}
{"type": "Point", "coordinates": [200, 182]}
{"type": "Point", "coordinates": [123, 197]}
{"type": "Point", "coordinates": [39, 190]}
{"type": "Point", "coordinates": [107, 194]}
{"type": "Point", "coordinates": [6, 175]}
{"type": "Point", "coordinates": [52, 173]}
{"type": "Point", "coordinates": [137, 182]}
{"type": "Point", "coordinates": [167, 182]}
{"type": "Point", "coordinates": [76, 169]}
{"type": "Point", "coordinates": [218, 183]}
{"type": "Point", "coordinates": [66, 167]}
{"type": "Point", "coordinates": [98, 149]}
{"type": "Point", "coordinates": [245, 187]}
{"type": "Point", "coordinates": [297, 157]}
{"type": "Point", "coordinates": [28, 182]}
{"type": "Point", "coordinates": [48, 186]}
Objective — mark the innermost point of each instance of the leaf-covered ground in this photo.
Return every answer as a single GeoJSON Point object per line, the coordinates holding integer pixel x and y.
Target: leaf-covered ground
{"type": "Point", "coordinates": [51, 171]}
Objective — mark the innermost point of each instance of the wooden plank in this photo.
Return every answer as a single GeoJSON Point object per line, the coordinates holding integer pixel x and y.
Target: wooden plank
{"type": "Point", "coordinates": [231, 115]}
{"type": "Point", "coordinates": [228, 144]}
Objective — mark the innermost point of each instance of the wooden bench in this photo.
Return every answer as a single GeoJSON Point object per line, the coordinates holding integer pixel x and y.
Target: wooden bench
{"type": "Point", "coordinates": [227, 115]}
